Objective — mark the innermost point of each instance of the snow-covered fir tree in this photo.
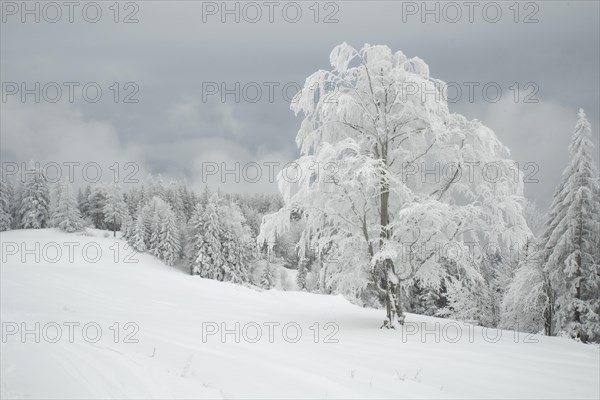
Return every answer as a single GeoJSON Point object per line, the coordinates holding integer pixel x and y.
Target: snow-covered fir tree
{"type": "Point", "coordinates": [6, 193]}
{"type": "Point", "coordinates": [209, 259]}
{"type": "Point", "coordinates": [302, 273]}
{"type": "Point", "coordinates": [127, 225]}
{"type": "Point", "coordinates": [55, 193]}
{"type": "Point", "coordinates": [34, 207]}
{"type": "Point", "coordinates": [146, 211]}
{"type": "Point", "coordinates": [219, 241]}
{"type": "Point", "coordinates": [195, 240]}
{"type": "Point", "coordinates": [431, 301]}
{"type": "Point", "coordinates": [154, 240]}
{"type": "Point", "coordinates": [267, 278]}
{"type": "Point", "coordinates": [497, 270]}
{"type": "Point", "coordinates": [234, 257]}
{"type": "Point", "coordinates": [189, 201]}
{"type": "Point", "coordinates": [115, 210]}
{"type": "Point", "coordinates": [570, 241]}
{"type": "Point", "coordinates": [96, 202]}
{"type": "Point", "coordinates": [173, 198]}
{"type": "Point", "coordinates": [169, 242]}
{"type": "Point", "coordinates": [66, 215]}
{"type": "Point", "coordinates": [155, 229]}
{"type": "Point", "coordinates": [83, 203]}
{"type": "Point", "coordinates": [137, 239]}
{"type": "Point", "coordinates": [132, 201]}
{"type": "Point", "coordinates": [15, 206]}
{"type": "Point", "coordinates": [236, 239]}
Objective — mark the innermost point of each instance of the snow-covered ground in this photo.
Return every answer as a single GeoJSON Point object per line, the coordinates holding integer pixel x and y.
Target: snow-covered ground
{"type": "Point", "coordinates": [169, 313]}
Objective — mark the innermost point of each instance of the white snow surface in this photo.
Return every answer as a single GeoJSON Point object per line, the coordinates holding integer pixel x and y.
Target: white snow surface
{"type": "Point", "coordinates": [171, 360]}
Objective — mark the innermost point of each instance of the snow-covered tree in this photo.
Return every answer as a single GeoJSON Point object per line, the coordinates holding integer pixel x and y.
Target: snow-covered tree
{"type": "Point", "coordinates": [358, 184]}
{"type": "Point", "coordinates": [205, 196]}
{"type": "Point", "coordinates": [154, 240]}
{"type": "Point", "coordinates": [96, 202]}
{"type": "Point", "coordinates": [115, 209]}
{"type": "Point", "coordinates": [468, 300]}
{"type": "Point", "coordinates": [156, 230]}
{"type": "Point", "coordinates": [209, 259]}
{"type": "Point", "coordinates": [15, 206]}
{"type": "Point", "coordinates": [235, 242]}
{"type": "Point", "coordinates": [570, 241]}
{"type": "Point", "coordinates": [34, 208]}
{"type": "Point", "coordinates": [169, 244]}
{"type": "Point", "coordinates": [431, 301]}
{"type": "Point", "coordinates": [127, 225]}
{"type": "Point", "coordinates": [133, 201]}
{"type": "Point", "coordinates": [235, 264]}
{"type": "Point", "coordinates": [302, 273]}
{"type": "Point", "coordinates": [55, 193]}
{"type": "Point", "coordinates": [528, 303]}
{"type": "Point", "coordinates": [137, 238]}
{"type": "Point", "coordinates": [142, 197]}
{"type": "Point", "coordinates": [478, 299]}
{"type": "Point", "coordinates": [219, 240]}
{"type": "Point", "coordinates": [196, 241]}
{"type": "Point", "coordinates": [267, 279]}
{"type": "Point", "coordinates": [498, 271]}
{"type": "Point", "coordinates": [66, 215]}
{"type": "Point", "coordinates": [6, 192]}
{"type": "Point", "coordinates": [188, 200]}
{"type": "Point", "coordinates": [173, 198]}
{"type": "Point", "coordinates": [83, 203]}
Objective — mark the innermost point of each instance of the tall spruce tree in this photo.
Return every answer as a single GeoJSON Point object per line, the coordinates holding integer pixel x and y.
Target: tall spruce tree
{"type": "Point", "coordinates": [570, 241]}
{"type": "Point", "coordinates": [209, 260]}
{"type": "Point", "coordinates": [169, 245]}
{"type": "Point", "coordinates": [66, 215]}
{"type": "Point", "coordinates": [115, 210]}
{"type": "Point", "coordinates": [196, 241]}
{"type": "Point", "coordinates": [96, 202]}
{"type": "Point", "coordinates": [34, 208]}
{"type": "Point", "coordinates": [137, 239]}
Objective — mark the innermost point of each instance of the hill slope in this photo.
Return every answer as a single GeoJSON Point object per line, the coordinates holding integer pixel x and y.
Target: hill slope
{"type": "Point", "coordinates": [168, 309]}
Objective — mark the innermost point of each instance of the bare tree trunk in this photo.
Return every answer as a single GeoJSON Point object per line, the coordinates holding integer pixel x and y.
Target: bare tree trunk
{"type": "Point", "coordinates": [548, 321]}
{"type": "Point", "coordinates": [548, 312]}
{"type": "Point", "coordinates": [395, 315]}
{"type": "Point", "coordinates": [323, 277]}
{"type": "Point", "coordinates": [576, 314]}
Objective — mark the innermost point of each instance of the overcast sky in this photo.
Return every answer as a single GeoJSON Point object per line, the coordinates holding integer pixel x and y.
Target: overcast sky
{"type": "Point", "coordinates": [177, 49]}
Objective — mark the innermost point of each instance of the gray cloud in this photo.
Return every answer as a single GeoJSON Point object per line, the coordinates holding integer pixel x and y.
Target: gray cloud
{"type": "Point", "coordinates": [171, 52]}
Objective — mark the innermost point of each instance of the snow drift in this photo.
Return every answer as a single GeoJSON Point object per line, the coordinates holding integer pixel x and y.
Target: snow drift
{"type": "Point", "coordinates": [116, 324]}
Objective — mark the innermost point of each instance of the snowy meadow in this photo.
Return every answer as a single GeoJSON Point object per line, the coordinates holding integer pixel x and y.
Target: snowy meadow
{"type": "Point", "coordinates": [341, 221]}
